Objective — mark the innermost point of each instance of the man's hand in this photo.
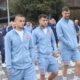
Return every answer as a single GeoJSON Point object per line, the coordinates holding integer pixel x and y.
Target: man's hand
{"type": "Point", "coordinates": [55, 55]}
{"type": "Point", "coordinates": [59, 52]}
{"type": "Point", "coordinates": [77, 33]}
{"type": "Point", "coordinates": [36, 62]}
{"type": "Point", "coordinates": [9, 72]}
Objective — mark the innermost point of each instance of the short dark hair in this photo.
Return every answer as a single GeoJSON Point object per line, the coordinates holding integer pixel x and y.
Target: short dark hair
{"type": "Point", "coordinates": [42, 16]}
{"type": "Point", "coordinates": [65, 8]}
{"type": "Point", "coordinates": [19, 15]}
{"type": "Point", "coordinates": [52, 18]}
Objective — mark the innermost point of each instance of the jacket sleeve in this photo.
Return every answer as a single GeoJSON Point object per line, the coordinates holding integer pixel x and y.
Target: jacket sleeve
{"type": "Point", "coordinates": [35, 42]}
{"type": "Point", "coordinates": [53, 41]}
{"type": "Point", "coordinates": [31, 49]}
{"type": "Point", "coordinates": [8, 52]}
{"type": "Point", "coordinates": [60, 36]}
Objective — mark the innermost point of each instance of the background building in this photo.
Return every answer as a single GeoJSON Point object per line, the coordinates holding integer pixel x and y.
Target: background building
{"type": "Point", "coordinates": [3, 4]}
{"type": "Point", "coordinates": [74, 3]}
{"type": "Point", "coordinates": [75, 8]}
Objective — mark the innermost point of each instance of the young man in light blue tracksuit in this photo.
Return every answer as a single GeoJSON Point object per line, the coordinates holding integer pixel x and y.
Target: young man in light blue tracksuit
{"type": "Point", "coordinates": [19, 50]}
{"type": "Point", "coordinates": [46, 48]}
{"type": "Point", "coordinates": [28, 27]}
{"type": "Point", "coordinates": [69, 48]}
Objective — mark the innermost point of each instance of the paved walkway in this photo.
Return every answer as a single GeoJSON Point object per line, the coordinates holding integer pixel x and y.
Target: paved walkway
{"type": "Point", "coordinates": [4, 75]}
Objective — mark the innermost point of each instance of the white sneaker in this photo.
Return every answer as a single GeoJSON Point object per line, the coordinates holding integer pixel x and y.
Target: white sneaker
{"type": "Point", "coordinates": [73, 79]}
{"type": "Point", "coordinates": [3, 65]}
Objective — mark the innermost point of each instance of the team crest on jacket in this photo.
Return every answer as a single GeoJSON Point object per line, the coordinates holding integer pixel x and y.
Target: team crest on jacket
{"type": "Point", "coordinates": [27, 37]}
{"type": "Point", "coordinates": [42, 71]}
{"type": "Point", "coordinates": [49, 33]}
{"type": "Point", "coordinates": [72, 25]}
{"type": "Point", "coordinates": [66, 61]}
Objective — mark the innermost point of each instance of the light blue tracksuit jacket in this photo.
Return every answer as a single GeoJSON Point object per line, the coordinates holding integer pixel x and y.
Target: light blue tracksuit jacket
{"type": "Point", "coordinates": [66, 34]}
{"type": "Point", "coordinates": [46, 44]}
{"type": "Point", "coordinates": [19, 54]}
{"type": "Point", "coordinates": [28, 28]}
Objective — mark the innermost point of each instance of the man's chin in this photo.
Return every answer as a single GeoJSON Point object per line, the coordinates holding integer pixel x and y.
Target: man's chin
{"type": "Point", "coordinates": [67, 18]}
{"type": "Point", "coordinates": [21, 27]}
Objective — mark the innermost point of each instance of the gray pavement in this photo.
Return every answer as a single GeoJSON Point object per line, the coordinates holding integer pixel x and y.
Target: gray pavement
{"type": "Point", "coordinates": [4, 75]}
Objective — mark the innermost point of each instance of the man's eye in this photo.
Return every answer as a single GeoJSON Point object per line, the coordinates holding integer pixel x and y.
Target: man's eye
{"type": "Point", "coordinates": [20, 21]}
{"type": "Point", "coordinates": [23, 21]}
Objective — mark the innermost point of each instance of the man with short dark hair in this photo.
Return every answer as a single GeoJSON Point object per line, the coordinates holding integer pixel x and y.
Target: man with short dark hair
{"type": "Point", "coordinates": [19, 50]}
{"type": "Point", "coordinates": [43, 37]}
{"type": "Point", "coordinates": [28, 26]}
{"type": "Point", "coordinates": [69, 47]}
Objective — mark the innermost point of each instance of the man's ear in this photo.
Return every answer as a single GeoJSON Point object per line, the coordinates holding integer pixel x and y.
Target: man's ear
{"type": "Point", "coordinates": [62, 13]}
{"type": "Point", "coordinates": [39, 20]}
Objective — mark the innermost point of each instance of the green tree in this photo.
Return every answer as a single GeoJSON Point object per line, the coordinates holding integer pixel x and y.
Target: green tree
{"type": "Point", "coordinates": [32, 8]}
